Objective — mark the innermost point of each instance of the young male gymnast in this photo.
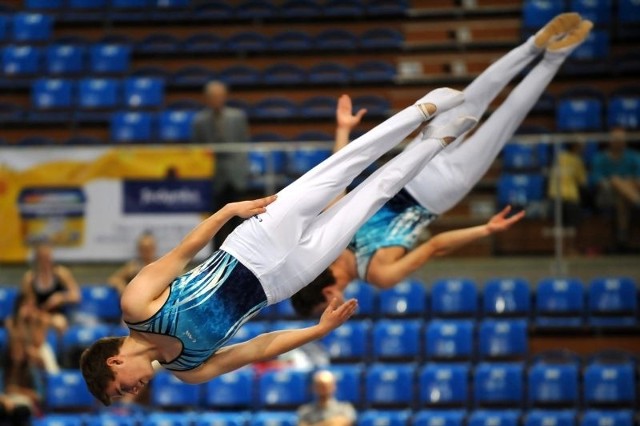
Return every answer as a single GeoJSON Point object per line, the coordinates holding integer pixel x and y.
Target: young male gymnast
{"type": "Point", "coordinates": [183, 320]}
{"type": "Point", "coordinates": [384, 251]}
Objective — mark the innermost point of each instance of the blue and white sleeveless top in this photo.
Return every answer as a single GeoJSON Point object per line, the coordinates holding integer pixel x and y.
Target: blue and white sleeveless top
{"type": "Point", "coordinates": [205, 307]}
{"type": "Point", "coordinates": [398, 223]}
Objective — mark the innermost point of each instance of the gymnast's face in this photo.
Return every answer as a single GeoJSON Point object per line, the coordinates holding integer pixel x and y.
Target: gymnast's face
{"type": "Point", "coordinates": [131, 375]}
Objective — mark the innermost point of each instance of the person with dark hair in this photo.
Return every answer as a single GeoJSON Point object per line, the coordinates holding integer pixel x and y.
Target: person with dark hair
{"type": "Point", "coordinates": [52, 286]}
{"type": "Point", "coordinates": [384, 251]}
{"type": "Point", "coordinates": [183, 320]}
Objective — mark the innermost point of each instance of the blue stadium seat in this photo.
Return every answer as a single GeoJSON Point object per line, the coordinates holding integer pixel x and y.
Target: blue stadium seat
{"type": "Point", "coordinates": [628, 11]}
{"type": "Point", "coordinates": [273, 418]}
{"type": "Point", "coordinates": [444, 385]}
{"type": "Point", "coordinates": [506, 297]}
{"type": "Point", "coordinates": [454, 297]}
{"type": "Point", "coordinates": [131, 126]}
{"type": "Point", "coordinates": [284, 388]}
{"type": "Point", "coordinates": [284, 73]}
{"type": "Point", "coordinates": [394, 339]}
{"type": "Point", "coordinates": [203, 43]}
{"type": "Point", "coordinates": [494, 418]}
{"type": "Point", "coordinates": [240, 75]}
{"type": "Point", "coordinates": [624, 111]}
{"type": "Point", "coordinates": [141, 92]}
{"type": "Point", "coordinates": [553, 384]}
{"type": "Point", "coordinates": [112, 419]}
{"type": "Point", "coordinates": [607, 418]}
{"type": "Point", "coordinates": [109, 58]}
{"type": "Point", "coordinates": [498, 384]}
{"type": "Point", "coordinates": [520, 190]}
{"type": "Point", "coordinates": [597, 11]}
{"type": "Point", "coordinates": [313, 136]}
{"type": "Point", "coordinates": [449, 340]}
{"type": "Point", "coordinates": [349, 341]}
{"type": "Point", "coordinates": [51, 100]}
{"type": "Point", "coordinates": [438, 418]}
{"type": "Point", "coordinates": [559, 303]}
{"type": "Point", "coordinates": [284, 309]}
{"type": "Point", "coordinates": [167, 391]}
{"type": "Point", "coordinates": [256, 10]}
{"type": "Point", "coordinates": [101, 302]}
{"type": "Point", "coordinates": [192, 76]}
{"type": "Point", "coordinates": [158, 44]}
{"type": "Point", "coordinates": [336, 39]}
{"type": "Point", "coordinates": [247, 41]}
{"type": "Point", "coordinates": [291, 40]}
{"type": "Point", "coordinates": [377, 106]}
{"type": "Point", "coordinates": [300, 9]}
{"type": "Point", "coordinates": [50, 5]}
{"type": "Point", "coordinates": [130, 4]}
{"type": "Point", "coordinates": [519, 157]}
{"type": "Point", "coordinates": [319, 106]}
{"type": "Point", "coordinates": [67, 390]}
{"type": "Point", "coordinates": [58, 420]}
{"type": "Point", "coordinates": [348, 382]}
{"type": "Point", "coordinates": [373, 71]}
{"type": "Point", "coordinates": [536, 13]}
{"type": "Point", "coordinates": [329, 73]}
{"type": "Point", "coordinates": [7, 299]}
{"type": "Point", "coordinates": [79, 337]}
{"type": "Point", "coordinates": [343, 8]}
{"type": "Point", "coordinates": [386, 7]}
{"type": "Point", "coordinates": [304, 159]}
{"type": "Point", "coordinates": [98, 93]}
{"type": "Point", "coordinates": [20, 60]}
{"type": "Point", "coordinates": [612, 302]}
{"type": "Point", "coordinates": [383, 418]}
{"type": "Point", "coordinates": [407, 298]}
{"type": "Point", "coordinates": [274, 107]}
{"type": "Point", "coordinates": [609, 384]}
{"type": "Point", "coordinates": [499, 339]}
{"type": "Point", "coordinates": [365, 294]}
{"type": "Point", "coordinates": [221, 419]}
{"type": "Point", "coordinates": [64, 59]}
{"type": "Point", "coordinates": [175, 125]}
{"type": "Point", "coordinates": [159, 418]}
{"type": "Point", "coordinates": [390, 384]}
{"type": "Point", "coordinates": [86, 4]}
{"type": "Point", "coordinates": [381, 38]}
{"type": "Point", "coordinates": [216, 10]}
{"type": "Point", "coordinates": [31, 27]}
{"type": "Point", "coordinates": [595, 47]}
{"type": "Point", "coordinates": [550, 418]}
{"type": "Point", "coordinates": [579, 114]}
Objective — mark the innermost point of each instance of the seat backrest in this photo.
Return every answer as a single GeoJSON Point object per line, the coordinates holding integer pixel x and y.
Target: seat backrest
{"type": "Point", "coordinates": [596, 11]}
{"type": "Point", "coordinates": [553, 385]}
{"type": "Point", "coordinates": [408, 297]}
{"type": "Point", "coordinates": [8, 297]}
{"type": "Point", "coordinates": [221, 419]}
{"type": "Point", "coordinates": [283, 388]}
{"type": "Point", "coordinates": [520, 189]}
{"type": "Point", "coordinates": [536, 13]}
{"type": "Point", "coordinates": [98, 93]}
{"type": "Point", "coordinates": [349, 379]}
{"type": "Point", "coordinates": [498, 384]}
{"type": "Point", "coordinates": [232, 390]}
{"type": "Point", "coordinates": [143, 91]}
{"type": "Point", "coordinates": [175, 125]}
{"type": "Point", "coordinates": [613, 295]}
{"type": "Point", "coordinates": [450, 339]}
{"type": "Point", "coordinates": [381, 38]}
{"type": "Point", "coordinates": [624, 111]}
{"type": "Point", "coordinates": [168, 391]}
{"type": "Point", "coordinates": [502, 338]}
{"type": "Point", "coordinates": [444, 384]}
{"type": "Point", "coordinates": [494, 418]}
{"type": "Point", "coordinates": [609, 384]}
{"type": "Point", "coordinates": [383, 418]}
{"type": "Point", "coordinates": [65, 59]}
{"type": "Point", "coordinates": [557, 295]}
{"type": "Point", "coordinates": [127, 126]}
{"type": "Point", "coordinates": [596, 46]}
{"type": "Point", "coordinates": [607, 418]}
{"type": "Point", "coordinates": [109, 58]}
{"type": "Point", "coordinates": [350, 341]}
{"type": "Point", "coordinates": [365, 294]}
{"type": "Point", "coordinates": [273, 418]}
{"type": "Point", "coordinates": [454, 297]}
{"type": "Point", "coordinates": [550, 418]}
{"type": "Point", "coordinates": [334, 39]}
{"type": "Point", "coordinates": [67, 390]}
{"type": "Point", "coordinates": [506, 296]}
{"type": "Point", "coordinates": [101, 302]}
{"type": "Point", "coordinates": [579, 114]}
{"type": "Point", "coordinates": [29, 27]}
{"type": "Point", "coordinates": [390, 384]}
{"type": "Point", "coordinates": [20, 60]}
{"type": "Point", "coordinates": [396, 339]}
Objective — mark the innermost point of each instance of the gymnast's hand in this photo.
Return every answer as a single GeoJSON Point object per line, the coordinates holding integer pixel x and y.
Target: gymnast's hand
{"type": "Point", "coordinates": [336, 314]}
{"type": "Point", "coordinates": [247, 209]}
{"type": "Point", "coordinates": [344, 113]}
{"type": "Point", "coordinates": [500, 222]}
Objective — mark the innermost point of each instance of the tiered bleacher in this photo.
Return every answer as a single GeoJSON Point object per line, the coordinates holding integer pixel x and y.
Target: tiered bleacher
{"type": "Point", "coordinates": [452, 354]}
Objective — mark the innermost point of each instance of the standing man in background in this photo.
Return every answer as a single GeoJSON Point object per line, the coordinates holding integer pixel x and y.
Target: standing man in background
{"type": "Point", "coordinates": [326, 410]}
{"type": "Point", "coordinates": [217, 124]}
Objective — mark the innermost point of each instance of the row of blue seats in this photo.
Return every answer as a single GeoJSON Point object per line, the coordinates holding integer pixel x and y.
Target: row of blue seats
{"type": "Point", "coordinates": [486, 384]}
{"type": "Point", "coordinates": [536, 13]}
{"type": "Point", "coordinates": [223, 11]}
{"type": "Point", "coordinates": [365, 418]}
{"type": "Point", "coordinates": [569, 301]}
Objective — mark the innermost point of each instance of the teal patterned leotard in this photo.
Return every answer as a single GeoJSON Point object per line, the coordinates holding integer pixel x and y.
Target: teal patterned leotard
{"type": "Point", "coordinates": [205, 307]}
{"type": "Point", "coordinates": [398, 223]}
